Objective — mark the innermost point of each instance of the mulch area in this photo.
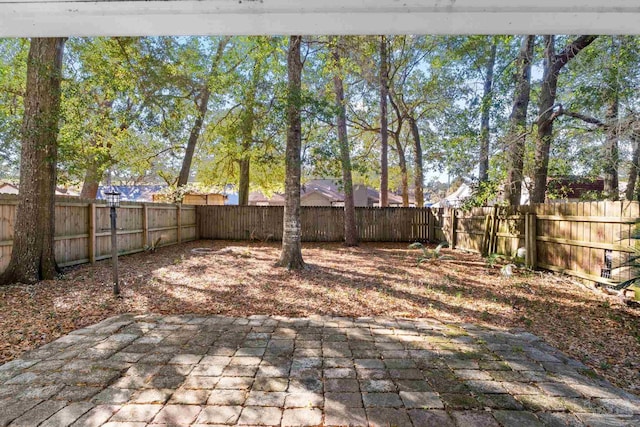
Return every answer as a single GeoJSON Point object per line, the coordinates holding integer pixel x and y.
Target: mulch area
{"type": "Point", "coordinates": [238, 278]}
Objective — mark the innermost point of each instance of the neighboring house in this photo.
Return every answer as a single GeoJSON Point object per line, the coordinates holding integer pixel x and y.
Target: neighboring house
{"type": "Point", "coordinates": [131, 193]}
{"type": "Point", "coordinates": [8, 188]}
{"type": "Point", "coordinates": [325, 192]}
{"type": "Point", "coordinates": [314, 194]}
{"type": "Point", "coordinates": [455, 199]}
{"type": "Point", "coordinates": [256, 198]}
{"type": "Point", "coordinates": [373, 198]}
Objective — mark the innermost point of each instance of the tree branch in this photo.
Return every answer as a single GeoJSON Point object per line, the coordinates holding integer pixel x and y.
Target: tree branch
{"type": "Point", "coordinates": [588, 119]}
{"type": "Point", "coordinates": [571, 50]}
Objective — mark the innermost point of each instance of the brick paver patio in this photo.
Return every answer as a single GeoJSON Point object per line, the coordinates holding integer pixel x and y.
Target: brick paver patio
{"type": "Point", "coordinates": [262, 370]}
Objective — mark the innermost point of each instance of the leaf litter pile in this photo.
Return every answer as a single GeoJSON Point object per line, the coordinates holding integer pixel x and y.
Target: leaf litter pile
{"type": "Point", "coordinates": [238, 279]}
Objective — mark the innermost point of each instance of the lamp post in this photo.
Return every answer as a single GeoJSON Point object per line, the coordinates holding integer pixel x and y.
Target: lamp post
{"type": "Point", "coordinates": [113, 201]}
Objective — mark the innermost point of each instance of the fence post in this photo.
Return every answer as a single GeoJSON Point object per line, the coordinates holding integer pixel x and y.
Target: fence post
{"type": "Point", "coordinates": [92, 233]}
{"type": "Point", "coordinates": [531, 255]}
{"type": "Point", "coordinates": [494, 230]}
{"type": "Point", "coordinates": [179, 221]}
{"type": "Point", "coordinates": [431, 222]}
{"type": "Point", "coordinates": [145, 225]}
{"type": "Point", "coordinates": [453, 225]}
{"type": "Point", "coordinates": [485, 236]}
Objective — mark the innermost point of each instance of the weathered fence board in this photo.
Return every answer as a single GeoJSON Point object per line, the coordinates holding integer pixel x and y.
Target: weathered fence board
{"type": "Point", "coordinates": [585, 239]}
{"type": "Point", "coordinates": [82, 228]}
{"type": "Point", "coordinates": [318, 224]}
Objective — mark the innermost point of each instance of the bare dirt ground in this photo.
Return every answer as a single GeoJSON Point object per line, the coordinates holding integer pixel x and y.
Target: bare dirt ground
{"type": "Point", "coordinates": [238, 278]}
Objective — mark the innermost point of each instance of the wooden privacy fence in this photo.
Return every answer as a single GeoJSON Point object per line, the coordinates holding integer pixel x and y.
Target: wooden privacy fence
{"type": "Point", "coordinates": [319, 224]}
{"type": "Point", "coordinates": [589, 240]}
{"type": "Point", "coordinates": [82, 228]}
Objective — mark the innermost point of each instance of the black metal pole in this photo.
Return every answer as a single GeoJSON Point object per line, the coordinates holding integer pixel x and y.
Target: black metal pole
{"type": "Point", "coordinates": [114, 251]}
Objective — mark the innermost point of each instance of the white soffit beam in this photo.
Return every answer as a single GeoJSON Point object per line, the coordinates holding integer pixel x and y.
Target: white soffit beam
{"type": "Point", "coordinates": [42, 18]}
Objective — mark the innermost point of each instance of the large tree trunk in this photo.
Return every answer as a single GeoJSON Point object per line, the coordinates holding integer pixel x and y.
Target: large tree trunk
{"type": "Point", "coordinates": [419, 169]}
{"type": "Point", "coordinates": [402, 160]}
{"type": "Point", "coordinates": [33, 257]}
{"type": "Point", "coordinates": [92, 178]}
{"type": "Point", "coordinates": [248, 120]}
{"type": "Point", "coordinates": [516, 138]}
{"type": "Point", "coordinates": [633, 169]}
{"type": "Point", "coordinates": [291, 255]}
{"type": "Point", "coordinates": [611, 155]}
{"type": "Point", "coordinates": [545, 122]}
{"type": "Point", "coordinates": [384, 136]}
{"type": "Point", "coordinates": [485, 110]}
{"type": "Point", "coordinates": [350, 230]}
{"type": "Point", "coordinates": [185, 170]}
{"type": "Point", "coordinates": [202, 104]}
{"type": "Point", "coordinates": [405, 176]}
{"type": "Point", "coordinates": [244, 178]}
{"type": "Point", "coordinates": [553, 64]}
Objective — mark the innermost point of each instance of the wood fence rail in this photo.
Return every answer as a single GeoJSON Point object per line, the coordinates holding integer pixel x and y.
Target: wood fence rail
{"type": "Point", "coordinates": [589, 240]}
{"type": "Point", "coordinates": [82, 228]}
{"type": "Point", "coordinates": [319, 224]}
{"type": "Point", "coordinates": [586, 239]}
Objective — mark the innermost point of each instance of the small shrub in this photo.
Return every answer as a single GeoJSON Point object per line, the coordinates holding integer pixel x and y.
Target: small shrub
{"type": "Point", "coordinates": [430, 255]}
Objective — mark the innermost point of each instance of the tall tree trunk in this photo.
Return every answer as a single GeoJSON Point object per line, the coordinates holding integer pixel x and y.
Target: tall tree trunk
{"type": "Point", "coordinates": [402, 160]}
{"type": "Point", "coordinates": [545, 122]}
{"type": "Point", "coordinates": [419, 169]}
{"type": "Point", "coordinates": [244, 179]}
{"type": "Point", "coordinates": [248, 121]}
{"type": "Point", "coordinates": [185, 170]}
{"type": "Point", "coordinates": [553, 64]}
{"type": "Point", "coordinates": [33, 257]}
{"type": "Point", "coordinates": [384, 124]}
{"type": "Point", "coordinates": [350, 230]}
{"type": "Point", "coordinates": [403, 172]}
{"type": "Point", "coordinates": [517, 135]}
{"type": "Point", "coordinates": [291, 255]}
{"type": "Point", "coordinates": [202, 104]}
{"type": "Point", "coordinates": [633, 169]}
{"type": "Point", "coordinates": [92, 178]}
{"type": "Point", "coordinates": [611, 155]}
{"type": "Point", "coordinates": [485, 110]}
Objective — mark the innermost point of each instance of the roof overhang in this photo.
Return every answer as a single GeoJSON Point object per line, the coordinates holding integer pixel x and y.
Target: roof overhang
{"type": "Point", "coordinates": [47, 18]}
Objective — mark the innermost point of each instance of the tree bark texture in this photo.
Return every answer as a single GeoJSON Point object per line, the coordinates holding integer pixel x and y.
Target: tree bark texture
{"type": "Point", "coordinates": [553, 64]}
{"type": "Point", "coordinates": [248, 120]}
{"type": "Point", "coordinates": [33, 257]}
{"type": "Point", "coordinates": [350, 229]}
{"type": "Point", "coordinates": [419, 168]}
{"type": "Point", "coordinates": [92, 177]}
{"type": "Point", "coordinates": [194, 134]}
{"type": "Point", "coordinates": [516, 138]}
{"type": "Point", "coordinates": [384, 124]}
{"type": "Point", "coordinates": [485, 110]}
{"type": "Point", "coordinates": [630, 192]}
{"type": "Point", "coordinates": [202, 104]}
{"type": "Point", "coordinates": [611, 153]}
{"type": "Point", "coordinates": [402, 160]}
{"type": "Point", "coordinates": [291, 255]}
